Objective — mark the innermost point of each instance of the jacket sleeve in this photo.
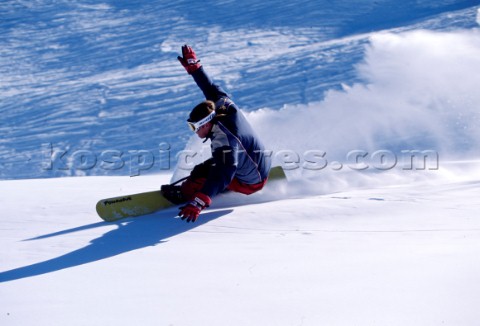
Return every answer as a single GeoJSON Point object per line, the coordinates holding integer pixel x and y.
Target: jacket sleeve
{"type": "Point", "coordinates": [212, 91]}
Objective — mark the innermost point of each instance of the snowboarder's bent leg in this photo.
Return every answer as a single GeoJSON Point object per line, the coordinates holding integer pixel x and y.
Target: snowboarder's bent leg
{"type": "Point", "coordinates": [196, 180]}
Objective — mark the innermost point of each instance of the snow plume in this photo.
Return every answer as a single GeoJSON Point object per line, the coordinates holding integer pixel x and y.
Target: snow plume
{"type": "Point", "coordinates": [419, 95]}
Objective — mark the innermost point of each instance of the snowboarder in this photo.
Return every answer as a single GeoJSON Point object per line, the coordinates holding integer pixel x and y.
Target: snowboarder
{"type": "Point", "coordinates": [239, 162]}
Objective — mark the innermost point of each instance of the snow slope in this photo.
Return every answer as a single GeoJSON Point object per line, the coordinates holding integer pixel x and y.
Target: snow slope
{"type": "Point", "coordinates": [398, 255]}
{"type": "Point", "coordinates": [343, 93]}
{"type": "Point", "coordinates": [89, 77]}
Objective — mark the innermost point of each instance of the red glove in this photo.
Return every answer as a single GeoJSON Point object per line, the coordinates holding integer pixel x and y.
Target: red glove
{"type": "Point", "coordinates": [189, 59]}
{"type": "Point", "coordinates": [193, 208]}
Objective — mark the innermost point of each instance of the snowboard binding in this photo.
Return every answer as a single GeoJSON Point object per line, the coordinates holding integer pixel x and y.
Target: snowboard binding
{"type": "Point", "coordinates": [185, 191]}
{"type": "Point", "coordinates": [173, 192]}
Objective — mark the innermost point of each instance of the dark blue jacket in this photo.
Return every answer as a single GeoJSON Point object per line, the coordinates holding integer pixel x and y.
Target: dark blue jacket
{"type": "Point", "coordinates": [236, 150]}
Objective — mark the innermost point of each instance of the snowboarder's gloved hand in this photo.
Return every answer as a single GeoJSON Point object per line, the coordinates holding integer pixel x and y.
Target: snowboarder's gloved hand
{"type": "Point", "coordinates": [193, 208]}
{"type": "Point", "coordinates": [189, 59]}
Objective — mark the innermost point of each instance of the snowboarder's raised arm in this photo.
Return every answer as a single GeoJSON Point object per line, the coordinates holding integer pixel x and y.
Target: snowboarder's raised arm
{"type": "Point", "coordinates": [189, 61]}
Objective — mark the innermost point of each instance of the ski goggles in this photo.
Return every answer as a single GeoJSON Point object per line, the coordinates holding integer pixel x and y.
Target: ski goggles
{"type": "Point", "coordinates": [194, 126]}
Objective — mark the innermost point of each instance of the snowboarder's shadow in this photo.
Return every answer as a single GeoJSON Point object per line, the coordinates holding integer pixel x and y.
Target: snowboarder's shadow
{"type": "Point", "coordinates": [129, 235]}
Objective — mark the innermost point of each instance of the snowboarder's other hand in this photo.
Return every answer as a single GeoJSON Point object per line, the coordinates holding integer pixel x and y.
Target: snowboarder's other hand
{"type": "Point", "coordinates": [193, 208]}
{"type": "Point", "coordinates": [189, 59]}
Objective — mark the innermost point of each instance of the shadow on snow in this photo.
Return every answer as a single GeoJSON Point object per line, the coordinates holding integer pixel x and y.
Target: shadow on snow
{"type": "Point", "coordinates": [131, 234]}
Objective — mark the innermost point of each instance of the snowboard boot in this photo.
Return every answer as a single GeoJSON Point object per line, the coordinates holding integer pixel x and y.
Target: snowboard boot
{"type": "Point", "coordinates": [182, 193]}
{"type": "Point", "coordinates": [188, 186]}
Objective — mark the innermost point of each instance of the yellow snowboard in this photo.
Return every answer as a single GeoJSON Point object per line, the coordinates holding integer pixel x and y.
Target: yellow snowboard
{"type": "Point", "coordinates": [116, 208]}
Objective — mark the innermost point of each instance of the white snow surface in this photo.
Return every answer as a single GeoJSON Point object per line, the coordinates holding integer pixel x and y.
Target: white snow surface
{"type": "Point", "coordinates": [390, 255]}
